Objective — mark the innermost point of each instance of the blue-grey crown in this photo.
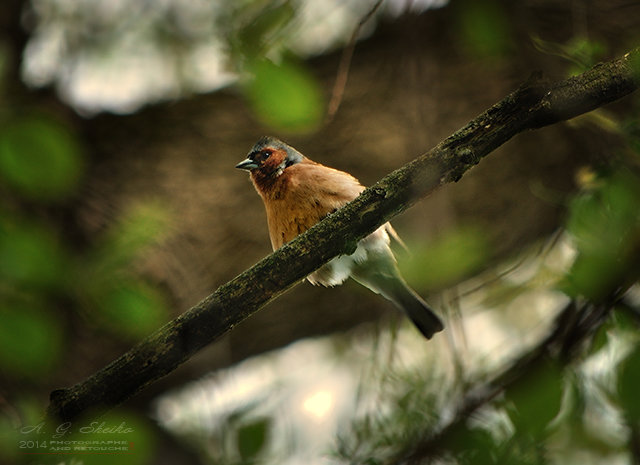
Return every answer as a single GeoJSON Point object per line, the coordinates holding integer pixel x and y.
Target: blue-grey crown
{"type": "Point", "coordinates": [293, 156]}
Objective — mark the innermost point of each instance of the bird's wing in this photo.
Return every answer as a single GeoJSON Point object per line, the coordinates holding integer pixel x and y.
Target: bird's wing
{"type": "Point", "coordinates": [396, 237]}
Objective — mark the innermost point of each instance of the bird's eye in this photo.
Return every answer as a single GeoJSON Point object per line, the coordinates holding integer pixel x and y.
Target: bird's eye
{"type": "Point", "coordinates": [266, 154]}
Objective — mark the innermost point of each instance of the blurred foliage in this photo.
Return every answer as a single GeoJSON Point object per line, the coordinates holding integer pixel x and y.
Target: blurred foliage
{"type": "Point", "coordinates": [484, 28]}
{"type": "Point", "coordinates": [585, 411]}
{"type": "Point", "coordinates": [118, 426]}
{"type": "Point", "coordinates": [242, 436]}
{"type": "Point", "coordinates": [118, 436]}
{"type": "Point", "coordinates": [284, 96]}
{"type": "Point", "coordinates": [605, 224]}
{"type": "Point", "coordinates": [535, 400]}
{"type": "Point", "coordinates": [46, 279]}
{"type": "Point", "coordinates": [257, 28]}
{"type": "Point", "coordinates": [115, 296]}
{"type": "Point", "coordinates": [551, 414]}
{"type": "Point", "coordinates": [39, 158]}
{"type": "Point", "coordinates": [177, 50]}
{"type": "Point", "coordinates": [251, 440]}
{"type": "Point", "coordinates": [281, 91]}
{"type": "Point", "coordinates": [580, 52]}
{"type": "Point", "coordinates": [130, 308]}
{"type": "Point", "coordinates": [25, 411]}
{"type": "Point", "coordinates": [407, 412]}
{"type": "Point", "coordinates": [139, 227]}
{"type": "Point", "coordinates": [446, 259]}
{"type": "Point", "coordinates": [31, 254]}
{"type": "Point", "coordinates": [31, 340]}
{"type": "Point", "coordinates": [629, 387]}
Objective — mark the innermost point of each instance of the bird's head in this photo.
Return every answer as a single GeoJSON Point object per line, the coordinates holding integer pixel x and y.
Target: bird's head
{"type": "Point", "coordinates": [269, 157]}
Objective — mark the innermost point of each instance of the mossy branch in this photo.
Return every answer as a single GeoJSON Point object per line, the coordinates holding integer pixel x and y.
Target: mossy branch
{"type": "Point", "coordinates": [535, 104]}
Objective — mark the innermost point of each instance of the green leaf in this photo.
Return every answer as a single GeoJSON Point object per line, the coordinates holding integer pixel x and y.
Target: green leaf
{"type": "Point", "coordinates": [108, 280]}
{"type": "Point", "coordinates": [583, 53]}
{"type": "Point", "coordinates": [605, 225]}
{"type": "Point", "coordinates": [116, 437]}
{"type": "Point", "coordinates": [629, 387]}
{"type": "Point", "coordinates": [634, 63]}
{"type": "Point", "coordinates": [139, 228]}
{"type": "Point", "coordinates": [262, 28]}
{"type": "Point", "coordinates": [473, 446]}
{"type": "Point", "coordinates": [535, 399]}
{"type": "Point", "coordinates": [39, 158]}
{"type": "Point", "coordinates": [484, 28]}
{"type": "Point", "coordinates": [284, 96]}
{"type": "Point", "coordinates": [251, 439]}
{"type": "Point", "coordinates": [132, 308]}
{"type": "Point", "coordinates": [31, 340]}
{"type": "Point", "coordinates": [30, 254]}
{"type": "Point", "coordinates": [446, 259]}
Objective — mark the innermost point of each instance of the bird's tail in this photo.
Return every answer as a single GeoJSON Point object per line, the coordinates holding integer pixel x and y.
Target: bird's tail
{"type": "Point", "coordinates": [416, 309]}
{"type": "Point", "coordinates": [385, 280]}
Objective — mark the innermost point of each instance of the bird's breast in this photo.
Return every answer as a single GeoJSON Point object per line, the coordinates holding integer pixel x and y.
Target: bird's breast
{"type": "Point", "coordinates": [288, 218]}
{"type": "Point", "coordinates": [302, 196]}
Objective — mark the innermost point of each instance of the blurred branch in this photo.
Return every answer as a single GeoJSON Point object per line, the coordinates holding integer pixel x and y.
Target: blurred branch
{"type": "Point", "coordinates": [345, 63]}
{"type": "Point", "coordinates": [535, 104]}
{"type": "Point", "coordinates": [573, 329]}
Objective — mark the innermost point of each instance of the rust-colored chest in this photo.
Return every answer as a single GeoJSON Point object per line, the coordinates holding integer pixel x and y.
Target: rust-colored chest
{"type": "Point", "coordinates": [301, 196]}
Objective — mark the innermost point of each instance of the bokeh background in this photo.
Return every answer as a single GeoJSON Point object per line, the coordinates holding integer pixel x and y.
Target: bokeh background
{"type": "Point", "coordinates": [120, 125]}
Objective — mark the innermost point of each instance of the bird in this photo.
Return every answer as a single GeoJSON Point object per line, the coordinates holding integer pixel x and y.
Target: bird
{"type": "Point", "coordinates": [297, 193]}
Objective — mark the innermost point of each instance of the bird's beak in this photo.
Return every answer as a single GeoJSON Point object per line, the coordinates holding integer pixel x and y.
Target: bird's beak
{"type": "Point", "coordinates": [247, 164]}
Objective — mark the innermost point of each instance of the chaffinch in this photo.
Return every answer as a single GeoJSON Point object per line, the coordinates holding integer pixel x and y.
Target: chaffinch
{"type": "Point", "coordinates": [297, 193]}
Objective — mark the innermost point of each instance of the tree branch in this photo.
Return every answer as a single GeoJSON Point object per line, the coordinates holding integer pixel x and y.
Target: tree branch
{"type": "Point", "coordinates": [345, 63]}
{"type": "Point", "coordinates": [533, 105]}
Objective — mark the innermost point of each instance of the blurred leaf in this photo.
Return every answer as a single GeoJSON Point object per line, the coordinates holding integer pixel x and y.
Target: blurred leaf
{"type": "Point", "coordinates": [30, 254]}
{"type": "Point", "coordinates": [17, 412]}
{"type": "Point", "coordinates": [623, 320]}
{"type": "Point", "coordinates": [582, 52]}
{"type": "Point", "coordinates": [631, 128]}
{"type": "Point", "coordinates": [409, 405]}
{"type": "Point", "coordinates": [602, 119]}
{"type": "Point", "coordinates": [446, 259]}
{"type": "Point", "coordinates": [473, 446]}
{"type": "Point", "coordinates": [9, 441]}
{"type": "Point", "coordinates": [30, 340]}
{"type": "Point", "coordinates": [535, 399]}
{"type": "Point", "coordinates": [629, 386]}
{"type": "Point", "coordinates": [601, 338]}
{"type": "Point", "coordinates": [252, 438]}
{"type": "Point", "coordinates": [260, 29]}
{"type": "Point", "coordinates": [592, 276]}
{"type": "Point", "coordinates": [39, 158]}
{"type": "Point", "coordinates": [634, 62]}
{"type": "Point", "coordinates": [133, 309]}
{"type": "Point", "coordinates": [107, 280]}
{"type": "Point", "coordinates": [284, 96]}
{"type": "Point", "coordinates": [605, 225]}
{"type": "Point", "coordinates": [140, 227]}
{"type": "Point", "coordinates": [484, 28]}
{"type": "Point", "coordinates": [125, 430]}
